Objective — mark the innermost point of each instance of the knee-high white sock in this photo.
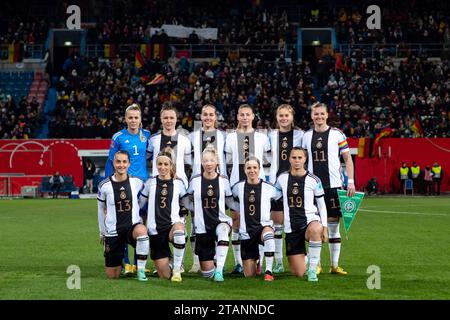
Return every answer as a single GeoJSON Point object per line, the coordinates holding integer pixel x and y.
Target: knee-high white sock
{"type": "Point", "coordinates": [278, 243]}
{"type": "Point", "coordinates": [269, 249]}
{"type": "Point", "coordinates": [142, 249]}
{"type": "Point", "coordinates": [314, 254]}
{"type": "Point", "coordinates": [334, 243]}
{"type": "Point", "coordinates": [261, 254]}
{"type": "Point", "coordinates": [236, 243]}
{"type": "Point", "coordinates": [223, 242]}
{"type": "Point", "coordinates": [179, 244]}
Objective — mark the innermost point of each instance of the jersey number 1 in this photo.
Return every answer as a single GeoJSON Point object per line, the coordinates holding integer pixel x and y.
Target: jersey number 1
{"type": "Point", "coordinates": [136, 153]}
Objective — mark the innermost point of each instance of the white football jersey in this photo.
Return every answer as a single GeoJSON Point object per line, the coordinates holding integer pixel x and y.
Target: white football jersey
{"type": "Point", "coordinates": [162, 198]}
{"type": "Point", "coordinates": [242, 145]}
{"type": "Point", "coordinates": [281, 144]}
{"type": "Point", "coordinates": [324, 151]}
{"type": "Point", "coordinates": [182, 150]}
{"type": "Point", "coordinates": [299, 195]}
{"type": "Point", "coordinates": [200, 140]}
{"type": "Point", "coordinates": [209, 202]}
{"type": "Point", "coordinates": [255, 206]}
{"type": "Point", "coordinates": [122, 206]}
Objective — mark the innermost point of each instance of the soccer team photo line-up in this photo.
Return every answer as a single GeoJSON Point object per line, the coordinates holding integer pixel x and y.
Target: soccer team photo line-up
{"type": "Point", "coordinates": [149, 212]}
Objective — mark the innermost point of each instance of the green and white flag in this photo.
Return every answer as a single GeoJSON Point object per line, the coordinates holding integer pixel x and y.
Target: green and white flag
{"type": "Point", "coordinates": [349, 207]}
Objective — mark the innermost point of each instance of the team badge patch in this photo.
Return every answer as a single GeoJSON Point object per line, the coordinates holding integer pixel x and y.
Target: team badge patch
{"type": "Point", "coordinates": [123, 195]}
{"type": "Point", "coordinates": [164, 192]}
{"type": "Point", "coordinates": [210, 191]}
{"type": "Point", "coordinates": [252, 196]}
{"type": "Point", "coordinates": [319, 145]}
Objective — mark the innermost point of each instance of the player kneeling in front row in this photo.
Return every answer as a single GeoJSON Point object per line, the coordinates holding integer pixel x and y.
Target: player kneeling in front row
{"type": "Point", "coordinates": [208, 192]}
{"type": "Point", "coordinates": [256, 227]}
{"type": "Point", "coordinates": [302, 219]}
{"type": "Point", "coordinates": [121, 224]}
{"type": "Point", "coordinates": [161, 196]}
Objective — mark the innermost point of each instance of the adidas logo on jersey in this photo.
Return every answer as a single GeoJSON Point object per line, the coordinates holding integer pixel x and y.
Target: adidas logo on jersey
{"type": "Point", "coordinates": [127, 141]}
{"type": "Point", "coordinates": [122, 188]}
{"type": "Point", "coordinates": [295, 184]}
{"type": "Point", "coordinates": [320, 139]}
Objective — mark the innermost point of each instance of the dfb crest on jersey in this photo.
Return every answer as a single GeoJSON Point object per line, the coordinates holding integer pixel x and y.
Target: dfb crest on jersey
{"type": "Point", "coordinates": [123, 195]}
{"type": "Point", "coordinates": [284, 145]}
{"type": "Point", "coordinates": [295, 190]}
{"type": "Point", "coordinates": [252, 196]}
{"type": "Point", "coordinates": [164, 192]}
{"type": "Point", "coordinates": [319, 145]}
{"type": "Point", "coordinates": [210, 191]}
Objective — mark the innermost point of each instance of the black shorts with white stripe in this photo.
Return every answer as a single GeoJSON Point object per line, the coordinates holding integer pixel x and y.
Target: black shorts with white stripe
{"type": "Point", "coordinates": [205, 245]}
{"type": "Point", "coordinates": [159, 245]}
{"type": "Point", "coordinates": [332, 202]}
{"type": "Point", "coordinates": [249, 248]}
{"type": "Point", "coordinates": [295, 242]}
{"type": "Point", "coordinates": [113, 250]}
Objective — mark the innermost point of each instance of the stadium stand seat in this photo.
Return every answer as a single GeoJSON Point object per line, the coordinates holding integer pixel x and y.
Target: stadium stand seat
{"type": "Point", "coordinates": [409, 185]}
{"type": "Point", "coordinates": [66, 189]}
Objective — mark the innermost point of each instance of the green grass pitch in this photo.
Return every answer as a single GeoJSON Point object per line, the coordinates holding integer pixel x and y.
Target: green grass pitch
{"type": "Point", "coordinates": [406, 237]}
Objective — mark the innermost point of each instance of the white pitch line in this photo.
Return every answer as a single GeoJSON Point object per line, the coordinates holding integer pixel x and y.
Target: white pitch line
{"type": "Point", "coordinates": [407, 212]}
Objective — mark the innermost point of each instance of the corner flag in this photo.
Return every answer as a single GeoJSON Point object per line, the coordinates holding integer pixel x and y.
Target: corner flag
{"type": "Point", "coordinates": [349, 207]}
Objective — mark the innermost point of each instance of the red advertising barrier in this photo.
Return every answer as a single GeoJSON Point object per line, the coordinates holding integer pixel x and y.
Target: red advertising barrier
{"type": "Point", "coordinates": [386, 167]}
{"type": "Point", "coordinates": [44, 157]}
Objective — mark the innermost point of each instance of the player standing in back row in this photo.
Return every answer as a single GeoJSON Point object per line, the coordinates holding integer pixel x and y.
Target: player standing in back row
{"type": "Point", "coordinates": [239, 146]}
{"type": "Point", "coordinates": [134, 140]}
{"type": "Point", "coordinates": [325, 144]}
{"type": "Point", "coordinates": [283, 138]}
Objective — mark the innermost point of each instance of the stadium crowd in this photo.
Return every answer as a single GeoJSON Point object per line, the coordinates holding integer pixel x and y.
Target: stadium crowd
{"type": "Point", "coordinates": [241, 23]}
{"type": "Point", "coordinates": [18, 121]}
{"type": "Point", "coordinates": [366, 93]}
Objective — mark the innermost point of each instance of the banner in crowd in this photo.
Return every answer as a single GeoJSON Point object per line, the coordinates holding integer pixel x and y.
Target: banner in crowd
{"type": "Point", "coordinates": [349, 207]}
{"type": "Point", "coordinates": [178, 31]}
{"type": "Point", "coordinates": [416, 127]}
{"type": "Point", "coordinates": [386, 132]}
